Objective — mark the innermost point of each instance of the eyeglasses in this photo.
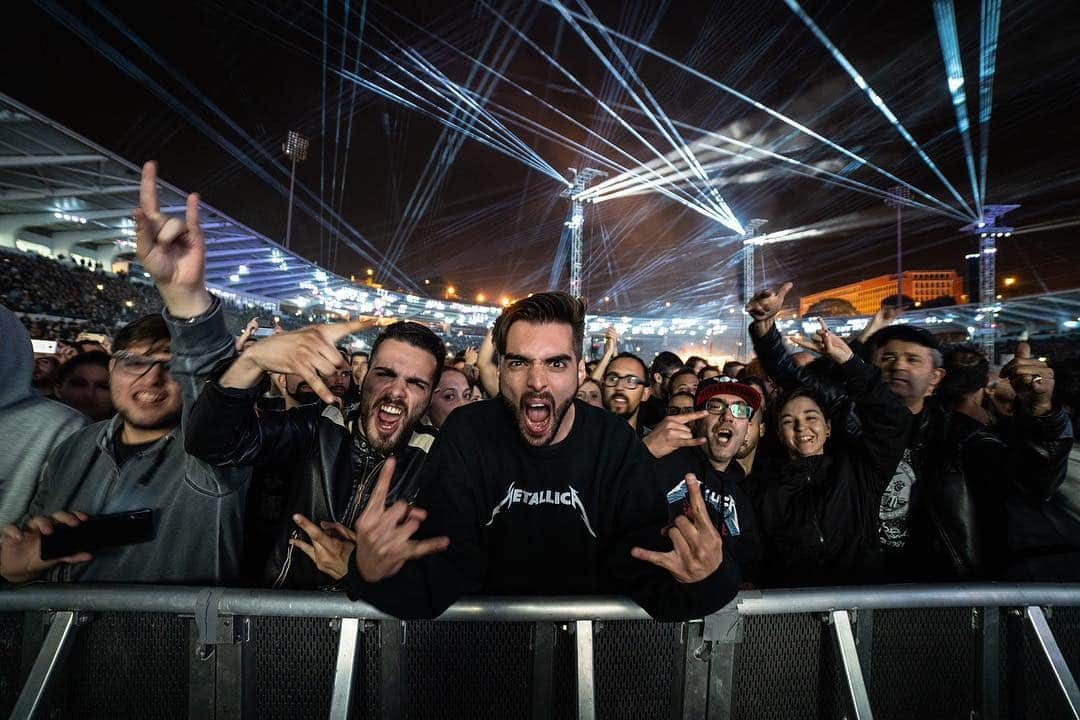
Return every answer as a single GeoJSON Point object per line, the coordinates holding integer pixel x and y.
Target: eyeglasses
{"type": "Point", "coordinates": [630, 381]}
{"type": "Point", "coordinates": [137, 366]}
{"type": "Point", "coordinates": [738, 410]}
{"type": "Point", "coordinates": [679, 410]}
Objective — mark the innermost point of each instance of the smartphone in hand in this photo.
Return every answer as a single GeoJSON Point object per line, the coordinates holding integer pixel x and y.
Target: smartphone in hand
{"type": "Point", "coordinates": [125, 528]}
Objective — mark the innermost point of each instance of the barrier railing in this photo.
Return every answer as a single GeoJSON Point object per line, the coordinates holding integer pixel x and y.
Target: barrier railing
{"type": "Point", "coordinates": [718, 667]}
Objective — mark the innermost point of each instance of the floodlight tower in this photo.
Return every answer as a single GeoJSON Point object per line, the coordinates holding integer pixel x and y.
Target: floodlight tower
{"type": "Point", "coordinates": [576, 221]}
{"type": "Point", "coordinates": [898, 197]}
{"type": "Point", "coordinates": [989, 229]}
{"type": "Point", "coordinates": [295, 148]}
{"type": "Point", "coordinates": [747, 286]}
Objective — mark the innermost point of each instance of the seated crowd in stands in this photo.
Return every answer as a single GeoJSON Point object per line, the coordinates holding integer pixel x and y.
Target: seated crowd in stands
{"type": "Point", "coordinates": [407, 477]}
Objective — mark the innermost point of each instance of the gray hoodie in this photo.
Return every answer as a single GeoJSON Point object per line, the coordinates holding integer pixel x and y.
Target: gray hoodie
{"type": "Point", "coordinates": [198, 508]}
{"type": "Point", "coordinates": [30, 425]}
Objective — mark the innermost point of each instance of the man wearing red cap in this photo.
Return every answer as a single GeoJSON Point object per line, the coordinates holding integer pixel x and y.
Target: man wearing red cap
{"type": "Point", "coordinates": [724, 411]}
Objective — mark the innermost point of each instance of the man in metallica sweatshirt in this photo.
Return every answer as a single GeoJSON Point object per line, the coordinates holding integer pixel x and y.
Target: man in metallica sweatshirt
{"type": "Point", "coordinates": [535, 493]}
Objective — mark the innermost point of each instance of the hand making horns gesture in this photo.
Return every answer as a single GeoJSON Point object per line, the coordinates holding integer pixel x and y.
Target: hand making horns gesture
{"type": "Point", "coordinates": [698, 548]}
{"type": "Point", "coordinates": [384, 534]}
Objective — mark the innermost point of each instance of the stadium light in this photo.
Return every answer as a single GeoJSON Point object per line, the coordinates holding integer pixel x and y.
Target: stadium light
{"type": "Point", "coordinates": [295, 148]}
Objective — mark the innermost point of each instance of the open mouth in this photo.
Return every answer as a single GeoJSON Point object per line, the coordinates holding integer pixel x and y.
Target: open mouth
{"type": "Point", "coordinates": [149, 397]}
{"type": "Point", "coordinates": [388, 417]}
{"type": "Point", "coordinates": [537, 415]}
{"type": "Point", "coordinates": [723, 436]}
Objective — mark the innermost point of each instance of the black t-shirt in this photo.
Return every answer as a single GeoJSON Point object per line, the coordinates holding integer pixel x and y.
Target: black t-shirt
{"type": "Point", "coordinates": [122, 451]}
{"type": "Point", "coordinates": [552, 520]}
{"type": "Point", "coordinates": [727, 502]}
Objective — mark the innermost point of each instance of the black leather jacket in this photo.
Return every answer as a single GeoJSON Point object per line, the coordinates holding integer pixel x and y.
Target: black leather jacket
{"type": "Point", "coordinates": [312, 449]}
{"type": "Point", "coordinates": [980, 490]}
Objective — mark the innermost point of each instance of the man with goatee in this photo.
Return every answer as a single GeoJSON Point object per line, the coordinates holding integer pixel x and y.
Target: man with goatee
{"type": "Point", "coordinates": [332, 469]}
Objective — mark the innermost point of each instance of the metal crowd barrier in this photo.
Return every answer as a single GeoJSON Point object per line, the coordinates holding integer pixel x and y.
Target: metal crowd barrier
{"type": "Point", "coordinates": [983, 651]}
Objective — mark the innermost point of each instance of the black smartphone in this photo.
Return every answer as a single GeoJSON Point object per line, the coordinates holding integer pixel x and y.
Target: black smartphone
{"type": "Point", "coordinates": [125, 528]}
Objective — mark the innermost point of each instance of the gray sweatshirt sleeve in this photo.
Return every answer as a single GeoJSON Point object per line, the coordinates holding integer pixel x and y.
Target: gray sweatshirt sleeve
{"type": "Point", "coordinates": [198, 345]}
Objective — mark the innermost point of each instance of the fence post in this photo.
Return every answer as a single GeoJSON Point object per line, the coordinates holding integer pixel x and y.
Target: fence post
{"type": "Point", "coordinates": [543, 671]}
{"type": "Point", "coordinates": [341, 698]}
{"type": "Point", "coordinates": [392, 657]}
{"type": "Point", "coordinates": [1059, 668]}
{"type": "Point", "coordinates": [987, 621]}
{"type": "Point", "coordinates": [586, 688]}
{"type": "Point", "coordinates": [49, 663]}
{"type": "Point", "coordinates": [858, 698]}
{"type": "Point", "coordinates": [221, 670]}
{"type": "Point", "coordinates": [723, 632]}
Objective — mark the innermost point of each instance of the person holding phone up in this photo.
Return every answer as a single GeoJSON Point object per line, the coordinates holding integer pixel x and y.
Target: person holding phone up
{"type": "Point", "coordinates": [136, 461]}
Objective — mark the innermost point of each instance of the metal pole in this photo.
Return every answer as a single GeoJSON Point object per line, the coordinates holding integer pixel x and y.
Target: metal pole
{"type": "Point", "coordinates": [1044, 638]}
{"type": "Point", "coordinates": [341, 698]}
{"type": "Point", "coordinates": [586, 688]}
{"type": "Point", "coordinates": [292, 185]}
{"type": "Point", "coordinates": [899, 259]}
{"type": "Point", "coordinates": [849, 659]}
{"type": "Point", "coordinates": [48, 665]}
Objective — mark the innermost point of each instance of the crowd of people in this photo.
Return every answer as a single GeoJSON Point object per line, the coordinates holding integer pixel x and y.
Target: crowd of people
{"type": "Point", "coordinates": [408, 477]}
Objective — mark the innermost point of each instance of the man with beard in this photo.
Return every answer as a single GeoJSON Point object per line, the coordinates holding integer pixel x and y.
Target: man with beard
{"type": "Point", "coordinates": [137, 459]}
{"type": "Point", "coordinates": [536, 492]}
{"type": "Point", "coordinates": [331, 469]}
{"type": "Point", "coordinates": [625, 388]}
{"type": "Point", "coordinates": [729, 409]}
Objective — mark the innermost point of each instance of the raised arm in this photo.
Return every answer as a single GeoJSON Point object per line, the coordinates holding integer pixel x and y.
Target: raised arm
{"type": "Point", "coordinates": [611, 345]}
{"type": "Point", "coordinates": [769, 347]}
{"type": "Point", "coordinates": [488, 366]}
{"type": "Point", "coordinates": [225, 428]}
{"type": "Point", "coordinates": [1040, 438]}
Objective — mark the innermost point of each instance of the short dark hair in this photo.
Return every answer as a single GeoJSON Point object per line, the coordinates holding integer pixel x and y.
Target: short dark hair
{"type": "Point", "coordinates": [664, 363]}
{"type": "Point", "coordinates": [419, 336]}
{"type": "Point", "coordinates": [635, 358]}
{"type": "Point", "coordinates": [804, 391]}
{"type": "Point", "coordinates": [545, 307]}
{"type": "Point", "coordinates": [150, 329]}
{"type": "Point", "coordinates": [695, 358]}
{"type": "Point", "coordinates": [683, 394]}
{"type": "Point", "coordinates": [359, 353]}
{"type": "Point", "coordinates": [684, 370]}
{"type": "Point", "coordinates": [967, 370]}
{"type": "Point", "coordinates": [94, 357]}
{"type": "Point", "coordinates": [706, 368]}
{"type": "Point", "coordinates": [729, 363]}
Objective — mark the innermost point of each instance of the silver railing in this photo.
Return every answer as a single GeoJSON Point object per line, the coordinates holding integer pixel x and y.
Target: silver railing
{"type": "Point", "coordinates": [221, 630]}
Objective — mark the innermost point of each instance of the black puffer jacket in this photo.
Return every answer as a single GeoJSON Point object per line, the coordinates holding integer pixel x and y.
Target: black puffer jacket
{"type": "Point", "coordinates": [818, 516]}
{"type": "Point", "coordinates": [330, 471]}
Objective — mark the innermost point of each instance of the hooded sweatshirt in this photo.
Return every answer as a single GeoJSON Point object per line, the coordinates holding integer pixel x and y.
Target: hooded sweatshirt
{"type": "Point", "coordinates": [30, 425]}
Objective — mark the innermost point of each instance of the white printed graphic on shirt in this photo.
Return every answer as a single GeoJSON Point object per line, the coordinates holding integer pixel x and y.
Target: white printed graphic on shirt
{"type": "Point", "coordinates": [894, 520]}
{"type": "Point", "coordinates": [516, 496]}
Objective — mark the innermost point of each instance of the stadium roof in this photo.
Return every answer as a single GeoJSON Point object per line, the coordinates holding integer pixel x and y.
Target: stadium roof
{"type": "Point", "coordinates": [70, 189]}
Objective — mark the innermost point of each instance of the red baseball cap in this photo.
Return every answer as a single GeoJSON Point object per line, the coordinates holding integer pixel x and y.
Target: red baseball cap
{"type": "Point", "coordinates": [723, 385]}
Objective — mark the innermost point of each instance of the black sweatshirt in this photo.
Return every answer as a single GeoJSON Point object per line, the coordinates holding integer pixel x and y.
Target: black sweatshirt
{"type": "Point", "coordinates": [726, 500]}
{"type": "Point", "coordinates": [553, 520]}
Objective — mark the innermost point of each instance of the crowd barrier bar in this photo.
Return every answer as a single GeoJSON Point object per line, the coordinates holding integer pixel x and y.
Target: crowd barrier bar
{"type": "Point", "coordinates": [221, 621]}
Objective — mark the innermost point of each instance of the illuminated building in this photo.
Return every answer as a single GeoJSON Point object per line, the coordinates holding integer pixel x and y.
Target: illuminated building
{"type": "Point", "coordinates": [866, 295]}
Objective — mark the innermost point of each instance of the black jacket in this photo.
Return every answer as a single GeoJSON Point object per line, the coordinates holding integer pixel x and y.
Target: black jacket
{"type": "Point", "coordinates": [312, 449]}
{"type": "Point", "coordinates": [818, 516]}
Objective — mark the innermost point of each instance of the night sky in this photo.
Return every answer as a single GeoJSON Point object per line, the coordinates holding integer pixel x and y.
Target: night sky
{"type": "Point", "coordinates": [462, 212]}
